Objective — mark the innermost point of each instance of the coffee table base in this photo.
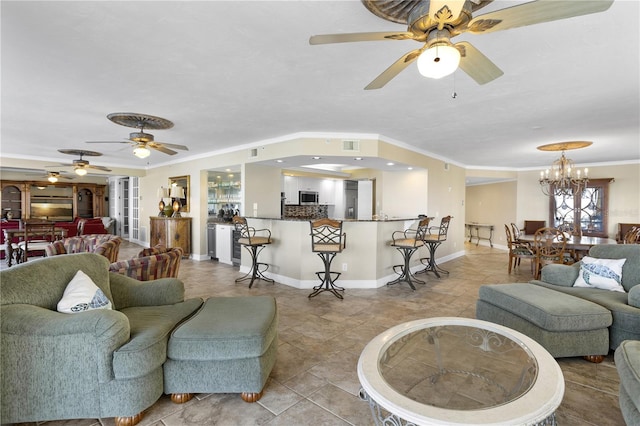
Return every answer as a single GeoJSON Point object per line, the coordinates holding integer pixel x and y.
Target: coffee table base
{"type": "Point", "coordinates": [382, 418]}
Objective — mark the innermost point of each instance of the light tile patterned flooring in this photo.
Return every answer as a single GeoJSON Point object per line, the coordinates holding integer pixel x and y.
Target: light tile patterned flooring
{"type": "Point", "coordinates": [314, 381]}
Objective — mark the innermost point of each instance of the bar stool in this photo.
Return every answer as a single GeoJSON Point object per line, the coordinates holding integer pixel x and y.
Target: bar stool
{"type": "Point", "coordinates": [433, 241]}
{"type": "Point", "coordinates": [254, 245]}
{"type": "Point", "coordinates": [407, 242]}
{"type": "Point", "coordinates": [327, 240]}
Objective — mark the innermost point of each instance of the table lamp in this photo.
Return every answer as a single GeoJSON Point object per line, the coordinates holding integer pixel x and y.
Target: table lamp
{"type": "Point", "coordinates": [177, 192]}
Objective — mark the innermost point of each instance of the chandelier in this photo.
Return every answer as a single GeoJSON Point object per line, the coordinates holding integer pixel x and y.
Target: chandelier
{"type": "Point", "coordinates": [563, 177]}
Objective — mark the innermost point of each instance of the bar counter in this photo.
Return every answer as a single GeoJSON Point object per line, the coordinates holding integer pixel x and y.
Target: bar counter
{"type": "Point", "coordinates": [366, 262]}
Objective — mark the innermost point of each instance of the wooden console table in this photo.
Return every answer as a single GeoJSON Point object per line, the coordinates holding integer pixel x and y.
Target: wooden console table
{"type": "Point", "coordinates": [472, 225]}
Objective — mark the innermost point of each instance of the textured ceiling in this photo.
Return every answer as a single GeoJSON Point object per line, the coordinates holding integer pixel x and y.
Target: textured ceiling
{"type": "Point", "coordinates": [231, 73]}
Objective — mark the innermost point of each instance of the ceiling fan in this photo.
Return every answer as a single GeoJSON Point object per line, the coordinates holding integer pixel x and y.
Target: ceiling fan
{"type": "Point", "coordinates": [435, 22]}
{"type": "Point", "coordinates": [140, 140]}
{"type": "Point", "coordinates": [80, 166]}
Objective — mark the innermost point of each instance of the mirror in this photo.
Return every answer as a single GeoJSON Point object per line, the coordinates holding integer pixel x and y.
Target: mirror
{"type": "Point", "coordinates": [182, 181]}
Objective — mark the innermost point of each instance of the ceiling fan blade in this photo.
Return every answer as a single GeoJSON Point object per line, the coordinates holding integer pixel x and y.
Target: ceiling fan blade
{"type": "Point", "coordinates": [351, 37]}
{"type": "Point", "coordinates": [161, 148]}
{"type": "Point", "coordinates": [445, 11]}
{"type": "Point", "coordinates": [476, 65]}
{"type": "Point", "coordinates": [394, 69]}
{"type": "Point", "coordinates": [124, 141]}
{"type": "Point", "coordinates": [169, 145]}
{"type": "Point", "coordinates": [91, 166]}
{"type": "Point", "coordinates": [534, 12]}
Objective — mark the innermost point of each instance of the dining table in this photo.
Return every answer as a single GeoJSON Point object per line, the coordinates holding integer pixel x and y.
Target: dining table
{"type": "Point", "coordinates": [11, 233]}
{"type": "Point", "coordinates": [574, 242]}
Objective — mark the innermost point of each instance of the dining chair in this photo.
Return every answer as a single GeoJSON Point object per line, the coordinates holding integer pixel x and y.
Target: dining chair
{"type": "Point", "coordinates": [550, 246]}
{"type": "Point", "coordinates": [632, 236]}
{"type": "Point", "coordinates": [531, 226]}
{"type": "Point", "coordinates": [518, 251]}
{"type": "Point", "coordinates": [37, 235]}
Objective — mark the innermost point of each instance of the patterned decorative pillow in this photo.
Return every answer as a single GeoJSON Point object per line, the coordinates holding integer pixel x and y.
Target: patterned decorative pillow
{"type": "Point", "coordinates": [605, 274]}
{"type": "Point", "coordinates": [82, 294]}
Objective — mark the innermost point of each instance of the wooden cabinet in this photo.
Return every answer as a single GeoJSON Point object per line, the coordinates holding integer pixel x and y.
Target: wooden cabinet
{"type": "Point", "coordinates": [58, 201]}
{"type": "Point", "coordinates": [171, 232]}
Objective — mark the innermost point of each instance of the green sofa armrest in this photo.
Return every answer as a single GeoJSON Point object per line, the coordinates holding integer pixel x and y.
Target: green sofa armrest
{"type": "Point", "coordinates": [128, 292]}
{"type": "Point", "coordinates": [62, 345]}
{"type": "Point", "coordinates": [562, 275]}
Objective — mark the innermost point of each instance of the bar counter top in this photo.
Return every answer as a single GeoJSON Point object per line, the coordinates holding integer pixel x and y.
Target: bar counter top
{"type": "Point", "coordinates": [307, 219]}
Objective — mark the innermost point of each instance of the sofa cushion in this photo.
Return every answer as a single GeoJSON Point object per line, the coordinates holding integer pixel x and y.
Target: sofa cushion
{"type": "Point", "coordinates": [605, 274]}
{"type": "Point", "coordinates": [150, 328]}
{"type": "Point", "coordinates": [82, 294]}
{"type": "Point", "coordinates": [548, 309]}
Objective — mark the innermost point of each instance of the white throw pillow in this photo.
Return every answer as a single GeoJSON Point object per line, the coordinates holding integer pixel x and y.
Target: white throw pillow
{"type": "Point", "coordinates": [82, 294]}
{"type": "Point", "coordinates": [605, 274]}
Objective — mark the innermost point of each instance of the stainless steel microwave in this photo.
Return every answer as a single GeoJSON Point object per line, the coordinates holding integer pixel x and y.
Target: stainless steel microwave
{"type": "Point", "coordinates": [307, 198]}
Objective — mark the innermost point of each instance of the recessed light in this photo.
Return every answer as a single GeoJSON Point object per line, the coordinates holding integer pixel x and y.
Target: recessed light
{"type": "Point", "coordinates": [409, 168]}
{"type": "Point", "coordinates": [279, 161]}
{"type": "Point", "coordinates": [316, 158]}
{"type": "Point", "coordinates": [358, 158]}
{"type": "Point", "coordinates": [391, 164]}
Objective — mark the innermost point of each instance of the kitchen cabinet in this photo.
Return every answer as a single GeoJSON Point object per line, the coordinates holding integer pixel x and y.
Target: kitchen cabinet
{"type": "Point", "coordinates": [224, 235]}
{"type": "Point", "coordinates": [171, 232]}
{"type": "Point", "coordinates": [291, 190]}
{"type": "Point", "coordinates": [327, 192]}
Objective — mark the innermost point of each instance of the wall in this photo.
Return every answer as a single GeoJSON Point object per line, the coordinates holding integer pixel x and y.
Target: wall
{"type": "Point", "coordinates": [486, 201]}
{"type": "Point", "coordinates": [494, 204]}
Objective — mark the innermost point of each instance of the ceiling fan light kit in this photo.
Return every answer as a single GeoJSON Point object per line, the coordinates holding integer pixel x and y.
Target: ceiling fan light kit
{"type": "Point", "coordinates": [80, 171]}
{"type": "Point", "coordinates": [141, 151]}
{"type": "Point", "coordinates": [438, 61]}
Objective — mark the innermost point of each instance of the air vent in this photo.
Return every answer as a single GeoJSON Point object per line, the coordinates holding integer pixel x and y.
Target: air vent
{"type": "Point", "coordinates": [253, 152]}
{"type": "Point", "coordinates": [350, 145]}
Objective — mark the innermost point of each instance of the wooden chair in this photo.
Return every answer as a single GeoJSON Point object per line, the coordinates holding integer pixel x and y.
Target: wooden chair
{"type": "Point", "coordinates": [549, 245]}
{"type": "Point", "coordinates": [407, 242]}
{"type": "Point", "coordinates": [518, 251]}
{"type": "Point", "coordinates": [531, 226]}
{"type": "Point", "coordinates": [37, 235]}
{"type": "Point", "coordinates": [632, 236]}
{"type": "Point", "coordinates": [254, 241]}
{"type": "Point", "coordinates": [327, 240]}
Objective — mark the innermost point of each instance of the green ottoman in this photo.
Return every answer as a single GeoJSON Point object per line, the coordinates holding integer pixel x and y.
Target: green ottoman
{"type": "Point", "coordinates": [228, 346]}
{"type": "Point", "coordinates": [564, 325]}
{"type": "Point", "coordinates": [627, 358]}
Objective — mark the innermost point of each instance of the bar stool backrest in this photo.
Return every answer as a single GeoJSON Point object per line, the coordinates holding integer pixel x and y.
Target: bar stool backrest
{"type": "Point", "coordinates": [443, 229]}
{"type": "Point", "coordinates": [249, 235]}
{"type": "Point", "coordinates": [327, 236]}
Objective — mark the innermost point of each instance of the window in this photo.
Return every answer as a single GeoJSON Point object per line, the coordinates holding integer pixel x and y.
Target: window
{"type": "Point", "coordinates": [585, 215]}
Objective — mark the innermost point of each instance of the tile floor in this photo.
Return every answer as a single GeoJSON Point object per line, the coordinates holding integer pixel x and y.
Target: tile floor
{"type": "Point", "coordinates": [314, 381]}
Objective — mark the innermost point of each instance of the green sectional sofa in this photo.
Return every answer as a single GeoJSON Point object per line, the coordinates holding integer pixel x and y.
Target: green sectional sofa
{"type": "Point", "coordinates": [624, 307]}
{"type": "Point", "coordinates": [91, 364]}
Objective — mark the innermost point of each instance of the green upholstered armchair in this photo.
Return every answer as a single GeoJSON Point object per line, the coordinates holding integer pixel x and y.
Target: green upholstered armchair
{"type": "Point", "coordinates": [93, 364]}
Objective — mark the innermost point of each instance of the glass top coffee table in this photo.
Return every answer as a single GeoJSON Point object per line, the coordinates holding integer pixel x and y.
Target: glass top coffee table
{"type": "Point", "coordinates": [459, 371]}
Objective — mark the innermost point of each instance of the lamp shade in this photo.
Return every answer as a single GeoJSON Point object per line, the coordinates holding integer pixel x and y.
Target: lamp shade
{"type": "Point", "coordinates": [163, 192]}
{"type": "Point", "coordinates": [81, 171]}
{"type": "Point", "coordinates": [177, 192]}
{"type": "Point", "coordinates": [141, 152]}
{"type": "Point", "coordinates": [52, 179]}
{"type": "Point", "coordinates": [438, 61]}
